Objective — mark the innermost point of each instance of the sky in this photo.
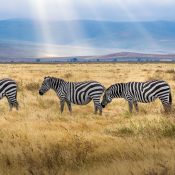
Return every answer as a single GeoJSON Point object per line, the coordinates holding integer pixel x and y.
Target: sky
{"type": "Point", "coordinates": [114, 10]}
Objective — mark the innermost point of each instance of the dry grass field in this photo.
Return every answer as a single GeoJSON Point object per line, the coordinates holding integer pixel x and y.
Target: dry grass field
{"type": "Point", "coordinates": [38, 140]}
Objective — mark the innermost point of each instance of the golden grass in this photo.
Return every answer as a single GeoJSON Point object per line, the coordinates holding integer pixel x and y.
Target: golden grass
{"type": "Point", "coordinates": [38, 140]}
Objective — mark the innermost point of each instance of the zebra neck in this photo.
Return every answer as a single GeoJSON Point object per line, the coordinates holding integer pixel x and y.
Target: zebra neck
{"type": "Point", "coordinates": [118, 90]}
{"type": "Point", "coordinates": [57, 84]}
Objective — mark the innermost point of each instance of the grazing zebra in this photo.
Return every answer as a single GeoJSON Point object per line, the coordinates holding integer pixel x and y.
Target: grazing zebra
{"type": "Point", "coordinates": [8, 88]}
{"type": "Point", "coordinates": [144, 92]}
{"type": "Point", "coordinates": [80, 93]}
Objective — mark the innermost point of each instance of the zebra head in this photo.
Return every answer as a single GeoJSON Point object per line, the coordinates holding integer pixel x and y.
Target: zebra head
{"type": "Point", "coordinates": [45, 86]}
{"type": "Point", "coordinates": [114, 91]}
{"type": "Point", "coordinates": [106, 98]}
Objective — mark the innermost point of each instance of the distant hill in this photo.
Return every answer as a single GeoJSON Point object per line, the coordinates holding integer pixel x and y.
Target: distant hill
{"type": "Point", "coordinates": [115, 57]}
{"type": "Point", "coordinates": [131, 56]}
{"type": "Point", "coordinates": [22, 38]}
{"type": "Point", "coordinates": [23, 50]}
{"type": "Point", "coordinates": [134, 55]}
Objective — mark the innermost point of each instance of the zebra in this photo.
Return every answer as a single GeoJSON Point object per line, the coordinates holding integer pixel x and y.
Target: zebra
{"type": "Point", "coordinates": [144, 92]}
{"type": "Point", "coordinates": [80, 93]}
{"type": "Point", "coordinates": [8, 88]}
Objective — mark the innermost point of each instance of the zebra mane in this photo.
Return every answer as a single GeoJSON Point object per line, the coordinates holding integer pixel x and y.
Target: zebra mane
{"type": "Point", "coordinates": [54, 78]}
{"type": "Point", "coordinates": [110, 87]}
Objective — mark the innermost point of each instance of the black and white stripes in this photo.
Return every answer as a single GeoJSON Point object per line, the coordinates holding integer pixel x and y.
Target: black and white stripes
{"type": "Point", "coordinates": [80, 93]}
{"type": "Point", "coordinates": [144, 92]}
{"type": "Point", "coordinates": [8, 88]}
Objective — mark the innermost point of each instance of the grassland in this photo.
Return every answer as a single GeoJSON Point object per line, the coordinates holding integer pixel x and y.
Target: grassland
{"type": "Point", "coordinates": [38, 140]}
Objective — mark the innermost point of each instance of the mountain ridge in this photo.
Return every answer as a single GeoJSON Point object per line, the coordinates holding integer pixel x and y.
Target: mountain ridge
{"type": "Point", "coordinates": [24, 37]}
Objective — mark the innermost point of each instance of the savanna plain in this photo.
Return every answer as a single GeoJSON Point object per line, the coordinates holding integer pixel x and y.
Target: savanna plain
{"type": "Point", "coordinates": [39, 140]}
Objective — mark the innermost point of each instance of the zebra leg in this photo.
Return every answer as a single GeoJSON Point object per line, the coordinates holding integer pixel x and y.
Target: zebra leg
{"type": "Point", "coordinates": [136, 106]}
{"type": "Point", "coordinates": [10, 103]}
{"type": "Point", "coordinates": [11, 106]}
{"type": "Point", "coordinates": [97, 106]}
{"type": "Point", "coordinates": [130, 104]}
{"type": "Point", "coordinates": [166, 105]}
{"type": "Point", "coordinates": [12, 100]}
{"type": "Point", "coordinates": [16, 105]}
{"type": "Point", "coordinates": [69, 106]}
{"type": "Point", "coordinates": [100, 109]}
{"type": "Point", "coordinates": [62, 102]}
{"type": "Point", "coordinates": [167, 108]}
{"type": "Point", "coordinates": [95, 109]}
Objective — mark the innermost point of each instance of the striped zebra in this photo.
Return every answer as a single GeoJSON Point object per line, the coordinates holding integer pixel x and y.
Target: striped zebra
{"type": "Point", "coordinates": [8, 88]}
{"type": "Point", "coordinates": [80, 93]}
{"type": "Point", "coordinates": [144, 92]}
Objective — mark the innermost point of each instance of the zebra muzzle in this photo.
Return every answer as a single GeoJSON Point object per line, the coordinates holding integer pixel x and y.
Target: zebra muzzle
{"type": "Point", "coordinates": [41, 93]}
{"type": "Point", "coordinates": [103, 106]}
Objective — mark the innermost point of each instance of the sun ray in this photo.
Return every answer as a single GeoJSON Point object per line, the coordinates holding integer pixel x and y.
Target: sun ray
{"type": "Point", "coordinates": [73, 30]}
{"type": "Point", "coordinates": [41, 17]}
{"type": "Point", "coordinates": [139, 26]}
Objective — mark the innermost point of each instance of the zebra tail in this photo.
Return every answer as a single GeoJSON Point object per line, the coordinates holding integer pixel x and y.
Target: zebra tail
{"type": "Point", "coordinates": [170, 98]}
{"type": "Point", "coordinates": [103, 88]}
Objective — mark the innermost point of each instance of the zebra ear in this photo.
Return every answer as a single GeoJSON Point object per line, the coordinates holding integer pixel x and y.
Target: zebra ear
{"type": "Point", "coordinates": [46, 77]}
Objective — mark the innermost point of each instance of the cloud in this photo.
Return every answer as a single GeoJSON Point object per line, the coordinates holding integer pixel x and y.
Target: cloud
{"type": "Point", "coordinates": [91, 9]}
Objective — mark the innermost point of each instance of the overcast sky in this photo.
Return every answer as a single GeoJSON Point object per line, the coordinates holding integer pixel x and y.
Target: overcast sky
{"type": "Point", "coordinates": [118, 10]}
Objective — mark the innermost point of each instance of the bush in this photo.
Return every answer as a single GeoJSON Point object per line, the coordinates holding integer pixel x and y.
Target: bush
{"type": "Point", "coordinates": [168, 130]}
{"type": "Point", "coordinates": [123, 131]}
{"type": "Point", "coordinates": [67, 75]}
{"type": "Point", "coordinates": [34, 86]}
{"type": "Point", "coordinates": [170, 71]}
